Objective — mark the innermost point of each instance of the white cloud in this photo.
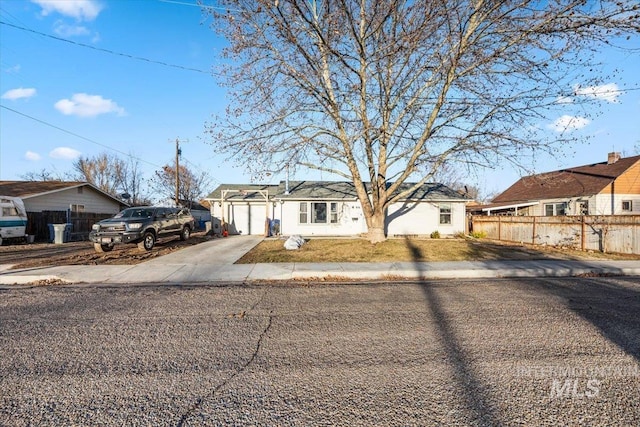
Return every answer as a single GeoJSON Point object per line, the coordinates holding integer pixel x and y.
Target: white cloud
{"type": "Point", "coordinates": [82, 10]}
{"type": "Point", "coordinates": [67, 31]}
{"type": "Point", "coordinates": [19, 93]}
{"type": "Point", "coordinates": [84, 105]}
{"type": "Point", "coordinates": [64, 153]}
{"type": "Point", "coordinates": [568, 123]}
{"type": "Point", "coordinates": [608, 92]}
{"type": "Point", "coordinates": [32, 156]}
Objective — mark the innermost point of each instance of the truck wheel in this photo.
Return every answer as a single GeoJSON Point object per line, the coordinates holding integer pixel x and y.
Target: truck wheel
{"type": "Point", "coordinates": [148, 240]}
{"type": "Point", "coordinates": [185, 234]}
{"type": "Point", "coordinates": [100, 248]}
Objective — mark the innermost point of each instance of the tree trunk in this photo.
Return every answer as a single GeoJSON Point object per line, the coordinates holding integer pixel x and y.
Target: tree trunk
{"type": "Point", "coordinates": [376, 228]}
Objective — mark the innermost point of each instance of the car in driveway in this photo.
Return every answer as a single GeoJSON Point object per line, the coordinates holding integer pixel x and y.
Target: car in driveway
{"type": "Point", "coordinates": [141, 225]}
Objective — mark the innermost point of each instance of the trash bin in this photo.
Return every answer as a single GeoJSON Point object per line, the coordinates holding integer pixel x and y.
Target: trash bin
{"type": "Point", "coordinates": [274, 227]}
{"type": "Point", "coordinates": [52, 234]}
{"type": "Point", "coordinates": [59, 233]}
{"type": "Point", "coordinates": [67, 232]}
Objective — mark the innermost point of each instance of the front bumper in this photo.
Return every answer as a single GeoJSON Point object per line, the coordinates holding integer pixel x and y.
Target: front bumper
{"type": "Point", "coordinates": [113, 238]}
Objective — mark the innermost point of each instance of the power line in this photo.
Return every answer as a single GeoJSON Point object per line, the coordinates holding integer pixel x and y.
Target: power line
{"type": "Point", "coordinates": [112, 52]}
{"type": "Point", "coordinates": [98, 143]}
{"type": "Point", "coordinates": [201, 6]}
{"type": "Point", "coordinates": [80, 136]}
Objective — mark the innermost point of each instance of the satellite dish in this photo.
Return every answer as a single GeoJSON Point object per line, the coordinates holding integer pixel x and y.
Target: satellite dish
{"type": "Point", "coordinates": [125, 196]}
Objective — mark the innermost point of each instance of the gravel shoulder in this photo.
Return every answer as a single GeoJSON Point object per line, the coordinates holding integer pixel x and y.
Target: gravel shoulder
{"type": "Point", "coordinates": [82, 253]}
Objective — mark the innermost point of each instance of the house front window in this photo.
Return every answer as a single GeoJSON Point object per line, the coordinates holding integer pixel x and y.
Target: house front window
{"type": "Point", "coordinates": [627, 205]}
{"type": "Point", "coordinates": [304, 218]}
{"type": "Point", "coordinates": [445, 213]}
{"type": "Point", "coordinates": [77, 208]}
{"type": "Point", "coordinates": [318, 213]}
{"type": "Point", "coordinates": [321, 212]}
{"type": "Point", "coordinates": [334, 212]}
{"type": "Point", "coordinates": [555, 209]}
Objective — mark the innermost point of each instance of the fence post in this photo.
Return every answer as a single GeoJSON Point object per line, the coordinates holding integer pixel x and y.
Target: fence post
{"type": "Point", "coordinates": [499, 229]}
{"type": "Point", "coordinates": [583, 229]}
{"type": "Point", "coordinates": [533, 234]}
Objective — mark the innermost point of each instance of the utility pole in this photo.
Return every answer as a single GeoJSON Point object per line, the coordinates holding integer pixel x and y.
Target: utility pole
{"type": "Point", "coordinates": [178, 153]}
{"type": "Point", "coordinates": [177, 172]}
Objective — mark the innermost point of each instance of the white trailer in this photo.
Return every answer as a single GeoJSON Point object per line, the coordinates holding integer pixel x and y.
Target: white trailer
{"type": "Point", "coordinates": [13, 218]}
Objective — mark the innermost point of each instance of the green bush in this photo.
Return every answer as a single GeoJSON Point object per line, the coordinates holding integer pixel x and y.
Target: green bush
{"type": "Point", "coordinates": [478, 234]}
{"type": "Point", "coordinates": [435, 235]}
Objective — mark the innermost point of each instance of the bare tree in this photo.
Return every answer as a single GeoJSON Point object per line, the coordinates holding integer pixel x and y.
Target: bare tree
{"type": "Point", "coordinates": [46, 175]}
{"type": "Point", "coordinates": [114, 176]}
{"type": "Point", "coordinates": [132, 183]}
{"type": "Point", "coordinates": [192, 186]}
{"type": "Point", "coordinates": [105, 171]}
{"type": "Point", "coordinates": [386, 91]}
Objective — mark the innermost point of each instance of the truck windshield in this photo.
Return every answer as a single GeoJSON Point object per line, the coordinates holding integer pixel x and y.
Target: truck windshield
{"type": "Point", "coordinates": [135, 213]}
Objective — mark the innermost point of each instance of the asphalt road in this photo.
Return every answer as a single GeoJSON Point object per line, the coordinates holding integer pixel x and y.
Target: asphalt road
{"type": "Point", "coordinates": [501, 352]}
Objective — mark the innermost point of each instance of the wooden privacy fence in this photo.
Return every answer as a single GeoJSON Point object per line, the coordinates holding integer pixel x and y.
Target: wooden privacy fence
{"type": "Point", "coordinates": [81, 223]}
{"type": "Point", "coordinates": [604, 233]}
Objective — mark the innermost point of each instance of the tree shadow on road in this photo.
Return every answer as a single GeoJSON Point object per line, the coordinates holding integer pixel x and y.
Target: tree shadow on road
{"type": "Point", "coordinates": [475, 398]}
{"type": "Point", "coordinates": [614, 310]}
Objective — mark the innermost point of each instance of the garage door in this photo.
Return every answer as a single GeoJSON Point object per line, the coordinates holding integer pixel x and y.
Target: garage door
{"type": "Point", "coordinates": [247, 219]}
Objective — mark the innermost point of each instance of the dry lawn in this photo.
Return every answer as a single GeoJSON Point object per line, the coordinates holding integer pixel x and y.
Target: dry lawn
{"type": "Point", "coordinates": [360, 250]}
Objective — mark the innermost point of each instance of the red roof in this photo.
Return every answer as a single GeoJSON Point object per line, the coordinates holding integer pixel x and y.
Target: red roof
{"type": "Point", "coordinates": [586, 180]}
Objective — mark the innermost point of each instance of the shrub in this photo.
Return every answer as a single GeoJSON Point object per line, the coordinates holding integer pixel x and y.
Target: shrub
{"type": "Point", "coordinates": [435, 235]}
{"type": "Point", "coordinates": [478, 234]}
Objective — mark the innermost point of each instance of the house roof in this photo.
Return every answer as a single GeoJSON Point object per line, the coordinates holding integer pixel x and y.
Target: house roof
{"type": "Point", "coordinates": [586, 180]}
{"type": "Point", "coordinates": [29, 189]}
{"type": "Point", "coordinates": [324, 190]}
{"type": "Point", "coordinates": [247, 192]}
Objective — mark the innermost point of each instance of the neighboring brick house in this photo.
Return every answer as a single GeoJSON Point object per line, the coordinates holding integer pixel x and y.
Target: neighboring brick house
{"type": "Point", "coordinates": [607, 188]}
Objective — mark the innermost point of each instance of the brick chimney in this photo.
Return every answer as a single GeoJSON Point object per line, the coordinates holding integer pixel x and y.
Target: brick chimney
{"type": "Point", "coordinates": [613, 157]}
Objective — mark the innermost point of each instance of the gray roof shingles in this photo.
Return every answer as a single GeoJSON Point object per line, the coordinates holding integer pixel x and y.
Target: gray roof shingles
{"type": "Point", "coordinates": [326, 190]}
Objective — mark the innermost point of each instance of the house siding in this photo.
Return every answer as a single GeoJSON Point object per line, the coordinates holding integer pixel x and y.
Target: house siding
{"type": "Point", "coordinates": [605, 201]}
{"type": "Point", "coordinates": [63, 199]}
{"type": "Point", "coordinates": [350, 220]}
{"type": "Point", "coordinates": [424, 218]}
{"type": "Point", "coordinates": [627, 183]}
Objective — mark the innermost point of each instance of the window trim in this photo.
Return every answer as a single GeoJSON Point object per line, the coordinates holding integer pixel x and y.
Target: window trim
{"type": "Point", "coordinates": [445, 210]}
{"type": "Point", "coordinates": [630, 205]}
{"type": "Point", "coordinates": [302, 212]}
{"type": "Point", "coordinates": [554, 208]}
{"type": "Point", "coordinates": [307, 213]}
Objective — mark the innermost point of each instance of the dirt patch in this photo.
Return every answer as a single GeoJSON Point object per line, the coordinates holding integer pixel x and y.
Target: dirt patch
{"type": "Point", "coordinates": [82, 253]}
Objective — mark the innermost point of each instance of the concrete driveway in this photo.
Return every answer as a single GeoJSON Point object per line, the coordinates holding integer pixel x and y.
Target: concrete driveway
{"type": "Point", "coordinates": [223, 251]}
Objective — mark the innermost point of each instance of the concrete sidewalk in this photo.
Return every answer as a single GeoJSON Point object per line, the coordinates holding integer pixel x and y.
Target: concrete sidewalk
{"type": "Point", "coordinates": [213, 262]}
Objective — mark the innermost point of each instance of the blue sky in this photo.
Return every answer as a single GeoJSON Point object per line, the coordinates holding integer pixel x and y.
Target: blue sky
{"type": "Point", "coordinates": [124, 82]}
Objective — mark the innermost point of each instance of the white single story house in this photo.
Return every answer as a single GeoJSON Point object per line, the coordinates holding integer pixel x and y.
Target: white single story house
{"type": "Point", "coordinates": [331, 208]}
